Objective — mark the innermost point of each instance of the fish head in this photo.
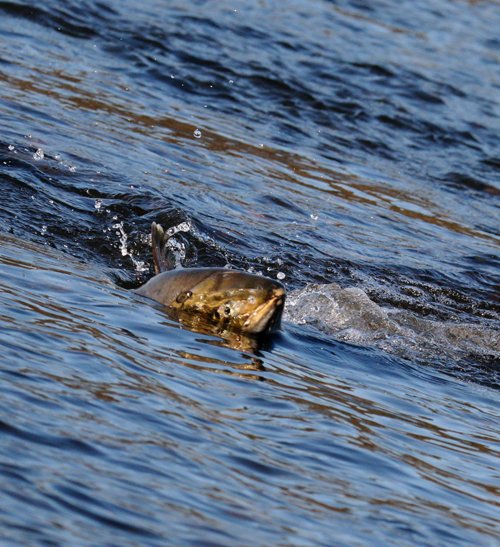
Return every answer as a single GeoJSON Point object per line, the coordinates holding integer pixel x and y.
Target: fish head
{"type": "Point", "coordinates": [233, 301]}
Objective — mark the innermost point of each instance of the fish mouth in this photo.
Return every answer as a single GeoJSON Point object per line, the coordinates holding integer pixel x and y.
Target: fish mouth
{"type": "Point", "coordinates": [266, 316]}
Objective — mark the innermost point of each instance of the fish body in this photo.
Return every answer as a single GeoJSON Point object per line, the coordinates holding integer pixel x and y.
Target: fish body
{"type": "Point", "coordinates": [229, 300]}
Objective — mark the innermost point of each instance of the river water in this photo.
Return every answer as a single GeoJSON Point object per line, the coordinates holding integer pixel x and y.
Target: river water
{"type": "Point", "coordinates": [350, 149]}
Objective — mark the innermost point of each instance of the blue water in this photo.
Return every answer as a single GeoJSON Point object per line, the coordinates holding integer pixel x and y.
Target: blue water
{"type": "Point", "coordinates": [351, 150]}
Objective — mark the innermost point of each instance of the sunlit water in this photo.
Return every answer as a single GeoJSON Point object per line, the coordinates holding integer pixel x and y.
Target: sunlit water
{"type": "Point", "coordinates": [350, 151]}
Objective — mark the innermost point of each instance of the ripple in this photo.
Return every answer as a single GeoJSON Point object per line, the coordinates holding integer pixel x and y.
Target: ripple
{"type": "Point", "coordinates": [341, 146]}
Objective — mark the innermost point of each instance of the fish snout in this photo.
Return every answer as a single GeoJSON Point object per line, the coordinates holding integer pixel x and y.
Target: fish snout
{"type": "Point", "coordinates": [267, 317]}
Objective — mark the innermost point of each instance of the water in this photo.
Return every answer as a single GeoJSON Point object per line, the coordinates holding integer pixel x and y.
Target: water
{"type": "Point", "coordinates": [349, 150]}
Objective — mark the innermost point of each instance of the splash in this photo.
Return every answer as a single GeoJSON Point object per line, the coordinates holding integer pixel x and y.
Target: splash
{"type": "Point", "coordinates": [139, 265]}
{"type": "Point", "coordinates": [39, 154]}
{"type": "Point", "coordinates": [350, 315]}
{"type": "Point", "coordinates": [175, 247]}
{"type": "Point", "coordinates": [182, 227]}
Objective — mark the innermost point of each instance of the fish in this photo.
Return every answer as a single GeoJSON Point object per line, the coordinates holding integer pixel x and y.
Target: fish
{"type": "Point", "coordinates": [214, 299]}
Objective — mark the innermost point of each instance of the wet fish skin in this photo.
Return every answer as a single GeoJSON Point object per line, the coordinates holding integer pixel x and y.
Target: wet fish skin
{"type": "Point", "coordinates": [229, 300]}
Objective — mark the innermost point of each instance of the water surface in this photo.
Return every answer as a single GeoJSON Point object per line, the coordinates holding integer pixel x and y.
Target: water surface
{"type": "Point", "coordinates": [351, 151]}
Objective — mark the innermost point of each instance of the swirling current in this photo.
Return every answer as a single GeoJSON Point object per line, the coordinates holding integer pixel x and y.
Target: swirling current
{"type": "Point", "coordinates": [348, 149]}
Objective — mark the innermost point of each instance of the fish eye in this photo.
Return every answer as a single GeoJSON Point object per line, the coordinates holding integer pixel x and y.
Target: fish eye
{"type": "Point", "coordinates": [227, 310]}
{"type": "Point", "coordinates": [183, 296]}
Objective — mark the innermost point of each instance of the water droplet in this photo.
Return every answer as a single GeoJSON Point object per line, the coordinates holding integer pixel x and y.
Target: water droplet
{"type": "Point", "coordinates": [280, 275]}
{"type": "Point", "coordinates": [230, 82]}
{"type": "Point", "coordinates": [182, 227]}
{"type": "Point", "coordinates": [38, 155]}
{"type": "Point", "coordinates": [72, 168]}
{"type": "Point", "coordinates": [98, 204]}
{"type": "Point", "coordinates": [140, 266]}
{"type": "Point", "coordinates": [120, 232]}
{"type": "Point", "coordinates": [11, 147]}
{"type": "Point", "coordinates": [314, 217]}
{"type": "Point", "coordinates": [197, 133]}
{"type": "Point", "coordinates": [43, 231]}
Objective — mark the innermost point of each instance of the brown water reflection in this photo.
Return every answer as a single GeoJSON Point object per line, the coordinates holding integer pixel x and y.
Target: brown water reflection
{"type": "Point", "coordinates": [367, 159]}
{"type": "Point", "coordinates": [327, 438]}
{"type": "Point", "coordinates": [290, 171]}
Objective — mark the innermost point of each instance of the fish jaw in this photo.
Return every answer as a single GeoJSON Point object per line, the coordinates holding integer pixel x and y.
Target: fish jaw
{"type": "Point", "coordinates": [267, 317]}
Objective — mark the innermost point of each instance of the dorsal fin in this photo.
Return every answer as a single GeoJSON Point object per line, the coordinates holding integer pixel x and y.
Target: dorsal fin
{"type": "Point", "coordinates": [158, 244]}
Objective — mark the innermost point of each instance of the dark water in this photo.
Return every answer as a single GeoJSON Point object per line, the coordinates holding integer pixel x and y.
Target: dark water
{"type": "Point", "coordinates": [349, 149]}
